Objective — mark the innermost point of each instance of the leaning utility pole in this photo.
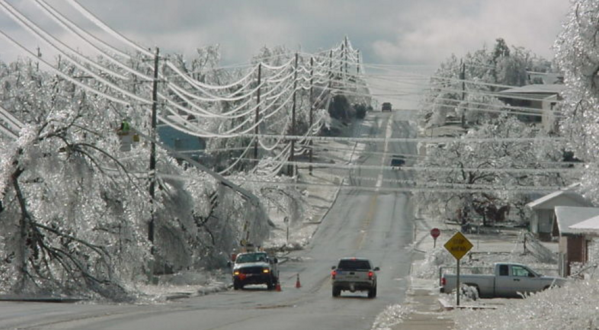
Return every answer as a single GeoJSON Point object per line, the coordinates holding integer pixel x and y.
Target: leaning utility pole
{"type": "Point", "coordinates": [153, 148]}
{"type": "Point", "coordinates": [256, 131]}
{"type": "Point", "coordinates": [291, 167]}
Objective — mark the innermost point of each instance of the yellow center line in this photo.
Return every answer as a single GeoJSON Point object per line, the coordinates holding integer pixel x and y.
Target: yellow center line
{"type": "Point", "coordinates": [367, 220]}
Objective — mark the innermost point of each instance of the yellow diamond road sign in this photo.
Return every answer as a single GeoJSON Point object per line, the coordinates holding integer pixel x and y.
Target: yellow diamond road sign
{"type": "Point", "coordinates": [458, 245]}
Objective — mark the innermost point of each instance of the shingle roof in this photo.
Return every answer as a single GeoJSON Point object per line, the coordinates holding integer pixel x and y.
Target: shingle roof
{"type": "Point", "coordinates": [589, 225]}
{"type": "Point", "coordinates": [568, 193]}
{"type": "Point", "coordinates": [567, 216]}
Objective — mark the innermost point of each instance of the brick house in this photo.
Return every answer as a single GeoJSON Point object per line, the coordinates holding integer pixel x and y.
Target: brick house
{"type": "Point", "coordinates": [573, 242]}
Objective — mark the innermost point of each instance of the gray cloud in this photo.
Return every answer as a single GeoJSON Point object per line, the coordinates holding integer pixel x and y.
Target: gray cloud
{"type": "Point", "coordinates": [385, 31]}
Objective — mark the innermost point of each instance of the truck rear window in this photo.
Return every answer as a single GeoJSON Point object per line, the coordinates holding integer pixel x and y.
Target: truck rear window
{"type": "Point", "coordinates": [354, 264]}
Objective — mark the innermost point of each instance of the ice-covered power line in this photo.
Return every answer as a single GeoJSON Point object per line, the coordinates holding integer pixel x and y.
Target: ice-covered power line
{"type": "Point", "coordinates": [532, 171]}
{"type": "Point", "coordinates": [345, 186]}
{"type": "Point", "coordinates": [414, 139]}
{"type": "Point", "coordinates": [65, 76]}
{"type": "Point", "coordinates": [69, 25]}
{"type": "Point", "coordinates": [13, 123]}
{"type": "Point", "coordinates": [42, 35]}
{"type": "Point", "coordinates": [90, 40]}
{"type": "Point", "coordinates": [106, 28]}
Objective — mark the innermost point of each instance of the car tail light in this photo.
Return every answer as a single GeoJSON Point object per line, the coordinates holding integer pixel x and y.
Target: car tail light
{"type": "Point", "coordinates": [333, 274]}
{"type": "Point", "coordinates": [443, 281]}
{"type": "Point", "coordinates": [370, 275]}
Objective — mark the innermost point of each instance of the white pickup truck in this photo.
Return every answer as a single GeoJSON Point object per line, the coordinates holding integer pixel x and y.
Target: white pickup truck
{"type": "Point", "coordinates": [509, 280]}
{"type": "Point", "coordinates": [354, 274]}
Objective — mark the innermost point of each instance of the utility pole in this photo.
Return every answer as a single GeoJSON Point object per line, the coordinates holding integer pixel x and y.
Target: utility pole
{"type": "Point", "coordinates": [330, 68]}
{"type": "Point", "coordinates": [463, 79]}
{"type": "Point", "coordinates": [358, 64]}
{"type": "Point", "coordinates": [311, 110]}
{"type": "Point", "coordinates": [153, 148]}
{"type": "Point", "coordinates": [341, 58]}
{"type": "Point", "coordinates": [256, 130]}
{"type": "Point", "coordinates": [290, 168]}
{"type": "Point", "coordinates": [346, 50]}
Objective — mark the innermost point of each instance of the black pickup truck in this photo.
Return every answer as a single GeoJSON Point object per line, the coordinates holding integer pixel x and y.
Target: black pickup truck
{"type": "Point", "coordinates": [386, 107]}
{"type": "Point", "coordinates": [354, 274]}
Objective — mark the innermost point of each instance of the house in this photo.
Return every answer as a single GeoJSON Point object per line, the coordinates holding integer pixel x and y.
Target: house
{"type": "Point", "coordinates": [573, 242]}
{"type": "Point", "coordinates": [181, 142]}
{"type": "Point", "coordinates": [539, 97]}
{"type": "Point", "coordinates": [543, 210]}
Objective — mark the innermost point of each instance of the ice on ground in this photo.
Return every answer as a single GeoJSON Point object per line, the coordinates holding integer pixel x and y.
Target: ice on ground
{"type": "Point", "coordinates": [391, 316]}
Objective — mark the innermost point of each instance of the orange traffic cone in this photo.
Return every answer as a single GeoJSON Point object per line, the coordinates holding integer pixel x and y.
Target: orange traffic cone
{"type": "Point", "coordinates": [297, 283]}
{"type": "Point", "coordinates": [278, 287]}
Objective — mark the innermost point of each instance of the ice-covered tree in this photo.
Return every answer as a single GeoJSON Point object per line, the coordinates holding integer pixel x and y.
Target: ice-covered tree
{"type": "Point", "coordinates": [578, 58]}
{"type": "Point", "coordinates": [450, 97]}
{"type": "Point", "coordinates": [480, 190]}
{"type": "Point", "coordinates": [76, 209]}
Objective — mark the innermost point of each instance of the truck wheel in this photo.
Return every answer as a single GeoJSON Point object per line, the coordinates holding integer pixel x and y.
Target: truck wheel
{"type": "Point", "coordinates": [270, 284]}
{"type": "Point", "coordinates": [336, 292]}
{"type": "Point", "coordinates": [471, 291]}
{"type": "Point", "coordinates": [237, 285]}
{"type": "Point", "coordinates": [372, 292]}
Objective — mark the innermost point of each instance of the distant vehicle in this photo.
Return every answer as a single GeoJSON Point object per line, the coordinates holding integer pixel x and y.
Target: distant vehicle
{"type": "Point", "coordinates": [509, 280]}
{"type": "Point", "coordinates": [386, 107]}
{"type": "Point", "coordinates": [255, 268]}
{"type": "Point", "coordinates": [354, 274]}
{"type": "Point", "coordinates": [397, 161]}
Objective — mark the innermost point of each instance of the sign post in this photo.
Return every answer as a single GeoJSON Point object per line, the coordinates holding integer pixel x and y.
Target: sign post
{"type": "Point", "coordinates": [435, 232]}
{"type": "Point", "coordinates": [458, 245]}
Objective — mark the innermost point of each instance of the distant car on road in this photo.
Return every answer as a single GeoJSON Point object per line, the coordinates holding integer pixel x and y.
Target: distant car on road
{"type": "Point", "coordinates": [397, 161]}
{"type": "Point", "coordinates": [386, 107]}
{"type": "Point", "coordinates": [354, 274]}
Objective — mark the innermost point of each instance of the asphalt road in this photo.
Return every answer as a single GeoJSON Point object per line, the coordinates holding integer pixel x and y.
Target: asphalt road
{"type": "Point", "coordinates": [364, 223]}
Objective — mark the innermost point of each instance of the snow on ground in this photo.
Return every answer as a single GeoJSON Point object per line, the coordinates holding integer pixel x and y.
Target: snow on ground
{"type": "Point", "coordinates": [574, 306]}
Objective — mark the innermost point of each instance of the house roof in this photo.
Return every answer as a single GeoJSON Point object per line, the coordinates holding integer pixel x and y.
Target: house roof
{"type": "Point", "coordinates": [567, 216]}
{"type": "Point", "coordinates": [589, 225]}
{"type": "Point", "coordinates": [564, 196]}
{"type": "Point", "coordinates": [536, 89]}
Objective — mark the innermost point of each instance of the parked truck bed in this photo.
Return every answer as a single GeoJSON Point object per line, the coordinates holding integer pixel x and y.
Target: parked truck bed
{"type": "Point", "coordinates": [508, 280]}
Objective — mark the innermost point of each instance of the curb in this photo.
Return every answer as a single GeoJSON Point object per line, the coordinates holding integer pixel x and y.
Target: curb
{"type": "Point", "coordinates": [41, 299]}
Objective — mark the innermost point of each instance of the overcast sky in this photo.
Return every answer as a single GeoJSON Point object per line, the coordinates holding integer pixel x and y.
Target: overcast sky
{"type": "Point", "coordinates": [385, 31]}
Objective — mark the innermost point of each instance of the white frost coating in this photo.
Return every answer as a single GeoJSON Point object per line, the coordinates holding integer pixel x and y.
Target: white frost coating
{"type": "Point", "coordinates": [239, 159]}
{"type": "Point", "coordinates": [7, 132]}
{"type": "Point", "coordinates": [51, 41]}
{"type": "Point", "coordinates": [201, 85]}
{"type": "Point", "coordinates": [7, 116]}
{"type": "Point", "coordinates": [106, 28]}
{"type": "Point", "coordinates": [67, 77]}
{"type": "Point", "coordinates": [178, 90]}
{"type": "Point", "coordinates": [85, 36]}
{"type": "Point", "coordinates": [208, 114]}
{"type": "Point", "coordinates": [390, 317]}
{"type": "Point", "coordinates": [74, 28]}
